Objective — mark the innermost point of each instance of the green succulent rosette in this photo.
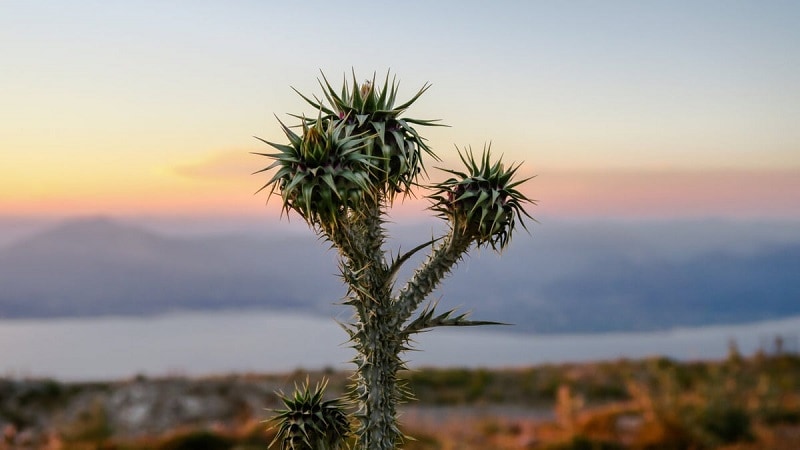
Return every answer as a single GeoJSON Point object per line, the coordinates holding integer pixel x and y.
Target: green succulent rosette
{"type": "Point", "coordinates": [321, 173]}
{"type": "Point", "coordinates": [308, 422]}
{"type": "Point", "coordinates": [391, 140]}
{"type": "Point", "coordinates": [482, 203]}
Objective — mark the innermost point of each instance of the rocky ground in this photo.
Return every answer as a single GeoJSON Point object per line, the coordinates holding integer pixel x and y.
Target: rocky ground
{"type": "Point", "coordinates": [743, 403]}
{"type": "Point", "coordinates": [32, 411]}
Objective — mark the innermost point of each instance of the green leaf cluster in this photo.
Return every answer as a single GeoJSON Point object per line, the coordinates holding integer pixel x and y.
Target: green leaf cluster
{"type": "Point", "coordinates": [482, 202]}
{"type": "Point", "coordinates": [370, 109]}
{"type": "Point", "coordinates": [321, 173]}
{"type": "Point", "coordinates": [357, 148]}
{"type": "Point", "coordinates": [308, 422]}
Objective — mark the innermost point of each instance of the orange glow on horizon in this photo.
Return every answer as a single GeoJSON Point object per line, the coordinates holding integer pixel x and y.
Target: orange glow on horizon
{"type": "Point", "coordinates": [624, 194]}
{"type": "Point", "coordinates": [671, 193]}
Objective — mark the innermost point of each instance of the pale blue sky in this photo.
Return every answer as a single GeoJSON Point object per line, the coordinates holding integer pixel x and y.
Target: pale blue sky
{"type": "Point", "coordinates": [122, 93]}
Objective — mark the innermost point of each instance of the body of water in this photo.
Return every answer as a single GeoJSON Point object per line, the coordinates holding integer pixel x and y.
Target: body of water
{"type": "Point", "coordinates": [260, 341]}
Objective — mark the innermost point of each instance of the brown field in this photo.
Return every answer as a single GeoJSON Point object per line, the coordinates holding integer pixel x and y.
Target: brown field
{"type": "Point", "coordinates": [739, 403]}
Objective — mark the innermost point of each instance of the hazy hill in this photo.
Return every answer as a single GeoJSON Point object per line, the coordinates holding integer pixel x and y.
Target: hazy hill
{"type": "Point", "coordinates": [100, 267]}
{"type": "Point", "coordinates": [584, 277]}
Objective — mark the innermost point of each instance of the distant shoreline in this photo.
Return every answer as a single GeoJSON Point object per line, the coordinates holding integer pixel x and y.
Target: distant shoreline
{"type": "Point", "coordinates": [196, 344]}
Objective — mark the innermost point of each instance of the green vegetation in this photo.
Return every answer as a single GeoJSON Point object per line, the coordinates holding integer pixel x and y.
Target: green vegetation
{"type": "Point", "coordinates": [309, 422]}
{"type": "Point", "coordinates": [530, 386]}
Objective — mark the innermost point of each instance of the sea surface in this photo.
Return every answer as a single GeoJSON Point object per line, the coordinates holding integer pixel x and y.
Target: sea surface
{"type": "Point", "coordinates": [207, 343]}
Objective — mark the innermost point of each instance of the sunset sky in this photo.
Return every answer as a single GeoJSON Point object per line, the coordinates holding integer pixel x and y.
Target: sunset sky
{"type": "Point", "coordinates": [621, 108]}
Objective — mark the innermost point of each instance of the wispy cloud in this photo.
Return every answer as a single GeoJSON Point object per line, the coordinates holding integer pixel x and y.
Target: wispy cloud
{"type": "Point", "coordinates": [222, 166]}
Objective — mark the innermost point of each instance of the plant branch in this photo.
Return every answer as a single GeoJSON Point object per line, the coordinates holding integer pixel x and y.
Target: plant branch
{"type": "Point", "coordinates": [428, 319]}
{"type": "Point", "coordinates": [439, 263]}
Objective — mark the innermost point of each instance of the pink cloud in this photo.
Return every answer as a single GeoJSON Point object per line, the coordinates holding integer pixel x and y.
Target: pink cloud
{"type": "Point", "coordinates": [669, 193]}
{"type": "Point", "coordinates": [229, 165]}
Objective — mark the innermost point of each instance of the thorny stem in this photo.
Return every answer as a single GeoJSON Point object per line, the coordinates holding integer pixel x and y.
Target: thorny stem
{"type": "Point", "coordinates": [439, 263]}
{"type": "Point", "coordinates": [377, 334]}
{"type": "Point", "coordinates": [378, 343]}
{"type": "Point", "coordinates": [378, 361]}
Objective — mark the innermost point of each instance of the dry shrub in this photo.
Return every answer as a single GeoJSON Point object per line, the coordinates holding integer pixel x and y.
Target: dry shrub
{"type": "Point", "coordinates": [423, 442]}
{"type": "Point", "coordinates": [195, 440]}
{"type": "Point", "coordinates": [663, 434]}
{"type": "Point", "coordinates": [602, 424]}
{"type": "Point", "coordinates": [579, 442]}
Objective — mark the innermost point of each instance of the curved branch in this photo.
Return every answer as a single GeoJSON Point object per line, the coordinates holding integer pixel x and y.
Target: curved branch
{"type": "Point", "coordinates": [430, 274]}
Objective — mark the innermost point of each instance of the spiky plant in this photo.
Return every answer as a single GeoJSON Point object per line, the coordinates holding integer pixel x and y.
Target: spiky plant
{"type": "Point", "coordinates": [341, 174]}
{"type": "Point", "coordinates": [309, 422]}
{"type": "Point", "coordinates": [369, 110]}
{"type": "Point", "coordinates": [322, 173]}
{"type": "Point", "coordinates": [483, 202]}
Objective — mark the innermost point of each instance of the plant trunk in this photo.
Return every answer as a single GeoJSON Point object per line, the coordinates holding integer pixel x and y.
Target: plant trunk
{"type": "Point", "coordinates": [376, 333]}
{"type": "Point", "coordinates": [376, 384]}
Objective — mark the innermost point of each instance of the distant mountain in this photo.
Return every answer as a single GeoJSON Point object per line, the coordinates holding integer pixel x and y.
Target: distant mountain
{"type": "Point", "coordinates": [711, 288]}
{"type": "Point", "coordinates": [99, 267]}
{"type": "Point", "coordinates": [601, 277]}
{"type": "Point", "coordinates": [568, 278]}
